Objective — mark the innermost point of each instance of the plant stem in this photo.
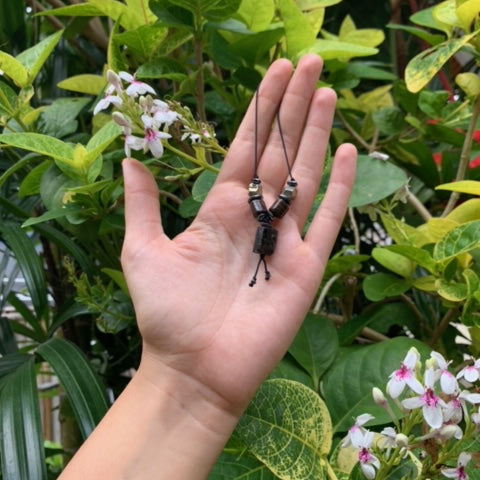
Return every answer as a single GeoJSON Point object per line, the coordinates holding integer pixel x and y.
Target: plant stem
{"type": "Point", "coordinates": [417, 205]}
{"type": "Point", "coordinates": [352, 131]}
{"type": "Point", "coordinates": [445, 322]}
{"type": "Point", "coordinates": [190, 158]}
{"type": "Point", "coordinates": [324, 292]}
{"type": "Point", "coordinates": [356, 233]}
{"type": "Point", "coordinates": [464, 156]}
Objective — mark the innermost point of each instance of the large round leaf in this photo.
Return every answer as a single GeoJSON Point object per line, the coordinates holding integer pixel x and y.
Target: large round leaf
{"type": "Point", "coordinates": [287, 427]}
{"type": "Point", "coordinates": [375, 180]}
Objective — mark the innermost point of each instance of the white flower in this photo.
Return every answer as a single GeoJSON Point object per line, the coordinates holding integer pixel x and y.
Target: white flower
{"type": "Point", "coordinates": [459, 472]}
{"type": "Point", "coordinates": [356, 431]}
{"type": "Point", "coordinates": [162, 113]}
{"type": "Point", "coordinates": [153, 141]}
{"type": "Point", "coordinates": [430, 403]}
{"type": "Point", "coordinates": [448, 382]}
{"type": "Point", "coordinates": [389, 438]}
{"type": "Point", "coordinates": [405, 375]}
{"type": "Point", "coordinates": [133, 143]}
{"type": "Point", "coordinates": [368, 461]}
{"type": "Point", "coordinates": [471, 373]}
{"type": "Point", "coordinates": [136, 87]}
{"type": "Point", "coordinates": [106, 101]}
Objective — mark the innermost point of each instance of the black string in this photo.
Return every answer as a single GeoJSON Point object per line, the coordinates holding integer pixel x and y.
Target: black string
{"type": "Point", "coordinates": [284, 146]}
{"type": "Point", "coordinates": [261, 259]}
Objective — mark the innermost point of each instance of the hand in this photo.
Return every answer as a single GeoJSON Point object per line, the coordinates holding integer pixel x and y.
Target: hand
{"type": "Point", "coordinates": [195, 309]}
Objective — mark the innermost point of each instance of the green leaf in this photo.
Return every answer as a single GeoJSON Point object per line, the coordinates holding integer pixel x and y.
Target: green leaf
{"type": "Point", "coordinates": [144, 41]}
{"type": "Point", "coordinates": [432, 103]}
{"type": "Point", "coordinates": [30, 184]}
{"type": "Point", "coordinates": [389, 120]}
{"type": "Point", "coordinates": [378, 286]}
{"type": "Point", "coordinates": [85, 392]}
{"type": "Point", "coordinates": [451, 291]}
{"type": "Point", "coordinates": [8, 342]}
{"type": "Point", "coordinates": [238, 466]}
{"type": "Point", "coordinates": [8, 100]}
{"type": "Point", "coordinates": [162, 68]}
{"type": "Point", "coordinates": [298, 31]}
{"type": "Point", "coordinates": [469, 83]}
{"type": "Point", "coordinates": [10, 363]}
{"type": "Point", "coordinates": [33, 58]}
{"type": "Point", "coordinates": [29, 263]}
{"type": "Point", "coordinates": [430, 38]}
{"type": "Point", "coordinates": [344, 264]}
{"type": "Point", "coordinates": [14, 69]}
{"type": "Point", "coordinates": [315, 346]}
{"type": "Point", "coordinates": [457, 241]}
{"type": "Point", "coordinates": [422, 68]}
{"type": "Point", "coordinates": [101, 140]}
{"type": "Point", "coordinates": [375, 180]}
{"type": "Point", "coordinates": [417, 255]}
{"type": "Point", "coordinates": [209, 9]}
{"type": "Point", "coordinates": [80, 10]}
{"type": "Point", "coordinates": [86, 83]}
{"type": "Point", "coordinates": [348, 384]}
{"type": "Point", "coordinates": [257, 15]}
{"type": "Point", "coordinates": [22, 452]}
{"type": "Point", "coordinates": [42, 144]}
{"type": "Point", "coordinates": [203, 184]}
{"type": "Point", "coordinates": [393, 261]}
{"type": "Point", "coordinates": [425, 18]}
{"type": "Point", "coordinates": [58, 119]}
{"type": "Point", "coordinates": [253, 47]}
{"type": "Point", "coordinates": [52, 215]}
{"type": "Point", "coordinates": [335, 49]}
{"type": "Point", "coordinates": [363, 70]}
{"type": "Point", "coordinates": [471, 187]}
{"type": "Point", "coordinates": [288, 428]}
{"type": "Point", "coordinates": [289, 369]}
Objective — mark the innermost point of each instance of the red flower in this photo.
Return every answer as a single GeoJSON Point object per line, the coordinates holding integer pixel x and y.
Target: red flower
{"type": "Point", "coordinates": [437, 158]}
{"type": "Point", "coordinates": [476, 136]}
{"type": "Point", "coordinates": [474, 163]}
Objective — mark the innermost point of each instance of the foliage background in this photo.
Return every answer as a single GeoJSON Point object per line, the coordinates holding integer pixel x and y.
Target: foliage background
{"type": "Point", "coordinates": [405, 268]}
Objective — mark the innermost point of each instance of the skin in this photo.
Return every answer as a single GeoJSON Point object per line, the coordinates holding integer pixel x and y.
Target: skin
{"type": "Point", "coordinates": [209, 339]}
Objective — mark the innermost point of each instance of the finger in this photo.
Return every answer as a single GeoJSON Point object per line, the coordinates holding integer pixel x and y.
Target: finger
{"type": "Point", "coordinates": [142, 206]}
{"type": "Point", "coordinates": [239, 163]}
{"type": "Point", "coordinates": [327, 221]}
{"type": "Point", "coordinates": [293, 113]}
{"type": "Point", "coordinates": [308, 166]}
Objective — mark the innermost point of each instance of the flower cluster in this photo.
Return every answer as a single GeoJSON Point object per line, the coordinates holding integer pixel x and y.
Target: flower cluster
{"type": "Point", "coordinates": [440, 415]}
{"type": "Point", "coordinates": [145, 120]}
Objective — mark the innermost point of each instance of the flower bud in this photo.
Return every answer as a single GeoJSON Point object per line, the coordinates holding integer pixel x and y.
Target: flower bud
{"type": "Point", "coordinates": [379, 397]}
{"type": "Point", "coordinates": [121, 119]}
{"type": "Point", "coordinates": [475, 417]}
{"type": "Point", "coordinates": [401, 440]}
{"type": "Point", "coordinates": [114, 79]}
{"type": "Point", "coordinates": [431, 363]}
{"type": "Point", "coordinates": [448, 431]}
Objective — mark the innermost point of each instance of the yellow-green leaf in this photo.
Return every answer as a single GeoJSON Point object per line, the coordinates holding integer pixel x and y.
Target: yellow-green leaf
{"type": "Point", "coordinates": [368, 37]}
{"type": "Point", "coordinates": [333, 49]}
{"type": "Point", "coordinates": [471, 187]}
{"type": "Point", "coordinates": [257, 15]}
{"type": "Point", "coordinates": [394, 262]}
{"type": "Point", "coordinates": [288, 428]}
{"type": "Point", "coordinates": [426, 284]}
{"type": "Point", "coordinates": [13, 69]}
{"type": "Point", "coordinates": [306, 5]}
{"type": "Point", "coordinates": [467, 11]}
{"type": "Point", "coordinates": [86, 83]}
{"type": "Point", "coordinates": [80, 10]}
{"type": "Point", "coordinates": [298, 31]}
{"type": "Point", "coordinates": [469, 83]}
{"type": "Point", "coordinates": [466, 211]}
{"type": "Point", "coordinates": [436, 228]}
{"type": "Point", "coordinates": [33, 58]}
{"type": "Point", "coordinates": [347, 26]}
{"type": "Point", "coordinates": [422, 68]}
{"type": "Point", "coordinates": [460, 240]}
{"type": "Point", "coordinates": [453, 292]}
{"type": "Point", "coordinates": [141, 10]}
{"type": "Point", "coordinates": [445, 13]}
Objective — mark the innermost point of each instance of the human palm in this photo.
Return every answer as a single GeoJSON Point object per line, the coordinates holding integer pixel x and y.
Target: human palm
{"type": "Point", "coordinates": [195, 309]}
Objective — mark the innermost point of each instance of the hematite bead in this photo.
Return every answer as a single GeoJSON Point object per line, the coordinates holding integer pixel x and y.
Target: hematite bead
{"type": "Point", "coordinates": [265, 239]}
{"type": "Point", "coordinates": [255, 189]}
{"type": "Point", "coordinates": [280, 207]}
{"type": "Point", "coordinates": [257, 206]}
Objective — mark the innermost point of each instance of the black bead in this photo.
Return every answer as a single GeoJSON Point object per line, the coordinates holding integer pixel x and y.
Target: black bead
{"type": "Point", "coordinates": [265, 239]}
{"type": "Point", "coordinates": [257, 206]}
{"type": "Point", "coordinates": [280, 207]}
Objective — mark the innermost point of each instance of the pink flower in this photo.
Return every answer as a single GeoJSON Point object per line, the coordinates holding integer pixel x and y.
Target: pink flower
{"type": "Point", "coordinates": [430, 403]}
{"type": "Point", "coordinates": [368, 462]}
{"type": "Point", "coordinates": [356, 431]}
{"type": "Point", "coordinates": [459, 472]}
{"type": "Point", "coordinates": [405, 375]}
{"type": "Point", "coordinates": [135, 88]}
{"type": "Point", "coordinates": [448, 382]}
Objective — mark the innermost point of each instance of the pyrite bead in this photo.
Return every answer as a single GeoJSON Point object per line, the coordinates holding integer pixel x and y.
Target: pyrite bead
{"type": "Point", "coordinates": [265, 239]}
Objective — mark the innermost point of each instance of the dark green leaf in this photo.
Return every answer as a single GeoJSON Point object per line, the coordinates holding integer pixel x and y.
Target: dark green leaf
{"type": "Point", "coordinates": [71, 310]}
{"type": "Point", "coordinates": [288, 369]}
{"type": "Point", "coordinates": [389, 120]}
{"type": "Point", "coordinates": [29, 263]}
{"type": "Point", "coordinates": [375, 180]}
{"type": "Point", "coordinates": [348, 384]}
{"type": "Point", "coordinates": [378, 286]}
{"type": "Point", "coordinates": [171, 14]}
{"type": "Point", "coordinates": [315, 346]}
{"type": "Point", "coordinates": [162, 68]}
{"type": "Point", "coordinates": [209, 9]}
{"type": "Point", "coordinates": [9, 363]}
{"type": "Point", "coordinates": [432, 103]}
{"type": "Point", "coordinates": [203, 184]}
{"type": "Point", "coordinates": [8, 344]}
{"type": "Point", "coordinates": [85, 392]}
{"type": "Point", "coordinates": [238, 466]}
{"type": "Point", "coordinates": [430, 38]}
{"type": "Point", "coordinates": [22, 452]}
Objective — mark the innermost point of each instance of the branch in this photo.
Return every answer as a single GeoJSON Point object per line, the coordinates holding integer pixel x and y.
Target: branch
{"type": "Point", "coordinates": [352, 131]}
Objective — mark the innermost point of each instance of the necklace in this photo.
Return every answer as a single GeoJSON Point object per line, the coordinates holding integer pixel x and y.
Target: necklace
{"type": "Point", "coordinates": [266, 235]}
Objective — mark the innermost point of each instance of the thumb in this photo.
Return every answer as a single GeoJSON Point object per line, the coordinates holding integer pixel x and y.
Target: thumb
{"type": "Point", "coordinates": [142, 206]}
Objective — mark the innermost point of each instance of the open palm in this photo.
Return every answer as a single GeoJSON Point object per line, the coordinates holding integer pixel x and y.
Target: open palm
{"type": "Point", "coordinates": [195, 309]}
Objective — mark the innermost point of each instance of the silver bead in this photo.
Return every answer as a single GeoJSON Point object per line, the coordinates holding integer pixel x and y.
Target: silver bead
{"type": "Point", "coordinates": [289, 192]}
{"type": "Point", "coordinates": [254, 189]}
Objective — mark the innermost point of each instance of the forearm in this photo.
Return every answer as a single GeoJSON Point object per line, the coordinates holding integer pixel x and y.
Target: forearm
{"type": "Point", "coordinates": [167, 429]}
